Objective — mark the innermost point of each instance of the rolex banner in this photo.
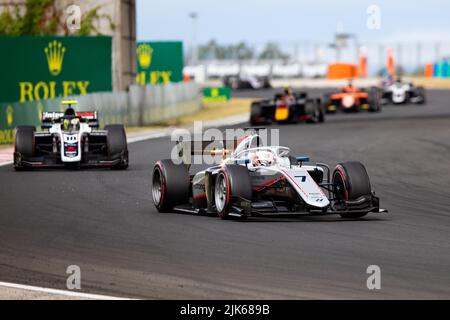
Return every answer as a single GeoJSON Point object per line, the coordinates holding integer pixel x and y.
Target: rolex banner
{"type": "Point", "coordinates": [159, 62]}
{"type": "Point", "coordinates": [38, 68]}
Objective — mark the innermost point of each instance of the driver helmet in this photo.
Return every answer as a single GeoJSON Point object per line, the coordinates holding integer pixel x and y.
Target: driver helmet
{"type": "Point", "coordinates": [71, 124]}
{"type": "Point", "coordinates": [262, 158]}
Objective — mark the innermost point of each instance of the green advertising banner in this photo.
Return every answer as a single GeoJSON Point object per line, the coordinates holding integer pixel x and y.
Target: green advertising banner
{"type": "Point", "coordinates": [14, 114]}
{"type": "Point", "coordinates": [37, 68]}
{"type": "Point", "coordinates": [216, 94]}
{"type": "Point", "coordinates": [159, 62]}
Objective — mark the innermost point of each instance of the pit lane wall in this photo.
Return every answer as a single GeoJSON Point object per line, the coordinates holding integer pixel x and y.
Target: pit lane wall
{"type": "Point", "coordinates": [140, 106]}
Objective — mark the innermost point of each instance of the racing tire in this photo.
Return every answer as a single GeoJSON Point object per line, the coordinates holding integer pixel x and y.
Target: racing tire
{"type": "Point", "coordinates": [231, 181]}
{"type": "Point", "coordinates": [314, 116]}
{"type": "Point", "coordinates": [24, 145]}
{"type": "Point", "coordinates": [374, 100]}
{"type": "Point", "coordinates": [327, 102]}
{"type": "Point", "coordinates": [255, 111]}
{"type": "Point", "coordinates": [170, 185]}
{"type": "Point", "coordinates": [351, 182]}
{"type": "Point", "coordinates": [420, 92]}
{"type": "Point", "coordinates": [321, 111]}
{"type": "Point", "coordinates": [116, 140]}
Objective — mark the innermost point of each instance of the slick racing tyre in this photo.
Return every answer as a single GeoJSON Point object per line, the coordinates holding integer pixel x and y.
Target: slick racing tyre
{"type": "Point", "coordinates": [232, 181]}
{"type": "Point", "coordinates": [23, 145]}
{"type": "Point", "coordinates": [170, 185]}
{"type": "Point", "coordinates": [319, 113]}
{"type": "Point", "coordinates": [327, 103]}
{"type": "Point", "coordinates": [420, 95]}
{"type": "Point", "coordinates": [116, 140]}
{"type": "Point", "coordinates": [374, 100]}
{"type": "Point", "coordinates": [255, 113]}
{"type": "Point", "coordinates": [351, 182]}
{"type": "Point", "coordinates": [314, 112]}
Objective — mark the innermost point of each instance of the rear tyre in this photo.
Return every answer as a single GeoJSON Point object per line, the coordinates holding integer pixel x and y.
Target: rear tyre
{"type": "Point", "coordinates": [327, 102]}
{"type": "Point", "coordinates": [420, 93]}
{"type": "Point", "coordinates": [255, 112]}
{"type": "Point", "coordinates": [321, 111]}
{"type": "Point", "coordinates": [351, 182]}
{"type": "Point", "coordinates": [170, 185]}
{"type": "Point", "coordinates": [232, 181]}
{"type": "Point", "coordinates": [116, 140]}
{"type": "Point", "coordinates": [314, 112]}
{"type": "Point", "coordinates": [374, 100]}
{"type": "Point", "coordinates": [24, 145]}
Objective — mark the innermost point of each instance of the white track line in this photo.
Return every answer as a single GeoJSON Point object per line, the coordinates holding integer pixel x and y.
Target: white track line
{"type": "Point", "coordinates": [65, 293]}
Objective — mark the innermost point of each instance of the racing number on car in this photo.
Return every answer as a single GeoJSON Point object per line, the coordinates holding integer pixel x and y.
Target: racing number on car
{"type": "Point", "coordinates": [303, 178]}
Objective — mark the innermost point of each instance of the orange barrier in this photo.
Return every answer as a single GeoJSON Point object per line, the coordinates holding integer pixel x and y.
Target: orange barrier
{"type": "Point", "coordinates": [429, 70]}
{"type": "Point", "coordinates": [342, 71]}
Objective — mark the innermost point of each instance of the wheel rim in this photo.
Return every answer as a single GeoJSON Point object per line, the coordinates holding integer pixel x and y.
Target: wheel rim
{"type": "Point", "coordinates": [221, 193]}
{"type": "Point", "coordinates": [157, 186]}
{"type": "Point", "coordinates": [339, 187]}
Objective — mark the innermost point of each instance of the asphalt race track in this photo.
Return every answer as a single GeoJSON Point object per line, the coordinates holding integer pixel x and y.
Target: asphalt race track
{"type": "Point", "coordinates": [104, 222]}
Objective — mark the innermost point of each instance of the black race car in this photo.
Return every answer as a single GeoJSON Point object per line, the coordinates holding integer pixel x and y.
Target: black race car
{"type": "Point", "coordinates": [287, 108]}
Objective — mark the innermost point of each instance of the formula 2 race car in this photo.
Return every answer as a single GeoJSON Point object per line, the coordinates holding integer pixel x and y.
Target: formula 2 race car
{"type": "Point", "coordinates": [399, 92]}
{"type": "Point", "coordinates": [257, 180]}
{"type": "Point", "coordinates": [70, 139]}
{"type": "Point", "coordinates": [350, 99]}
{"type": "Point", "coordinates": [287, 108]}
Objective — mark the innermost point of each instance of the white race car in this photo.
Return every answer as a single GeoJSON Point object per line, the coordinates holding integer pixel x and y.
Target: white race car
{"type": "Point", "coordinates": [70, 139]}
{"type": "Point", "coordinates": [256, 180]}
{"type": "Point", "coordinates": [399, 92]}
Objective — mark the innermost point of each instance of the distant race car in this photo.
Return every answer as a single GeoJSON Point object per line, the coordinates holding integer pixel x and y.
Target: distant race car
{"type": "Point", "coordinates": [257, 180]}
{"type": "Point", "coordinates": [399, 92]}
{"type": "Point", "coordinates": [70, 139]}
{"type": "Point", "coordinates": [350, 99]}
{"type": "Point", "coordinates": [246, 82]}
{"type": "Point", "coordinates": [287, 108]}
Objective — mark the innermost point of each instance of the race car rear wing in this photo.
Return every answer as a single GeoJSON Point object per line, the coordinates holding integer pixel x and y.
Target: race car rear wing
{"type": "Point", "coordinates": [50, 117]}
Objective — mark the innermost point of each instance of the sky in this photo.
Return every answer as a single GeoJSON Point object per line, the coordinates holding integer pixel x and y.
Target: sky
{"type": "Point", "coordinates": [259, 21]}
{"type": "Point", "coordinates": [290, 22]}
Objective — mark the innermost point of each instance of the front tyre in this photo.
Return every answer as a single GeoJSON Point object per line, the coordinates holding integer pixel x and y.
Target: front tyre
{"type": "Point", "coordinates": [24, 145]}
{"type": "Point", "coordinates": [351, 182]}
{"type": "Point", "coordinates": [231, 181]}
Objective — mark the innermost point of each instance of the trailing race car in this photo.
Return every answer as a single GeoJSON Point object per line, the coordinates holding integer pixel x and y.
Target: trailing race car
{"type": "Point", "coordinates": [287, 108]}
{"type": "Point", "coordinates": [246, 82]}
{"type": "Point", "coordinates": [257, 180]}
{"type": "Point", "coordinates": [350, 99]}
{"type": "Point", "coordinates": [399, 92]}
{"type": "Point", "coordinates": [70, 139]}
